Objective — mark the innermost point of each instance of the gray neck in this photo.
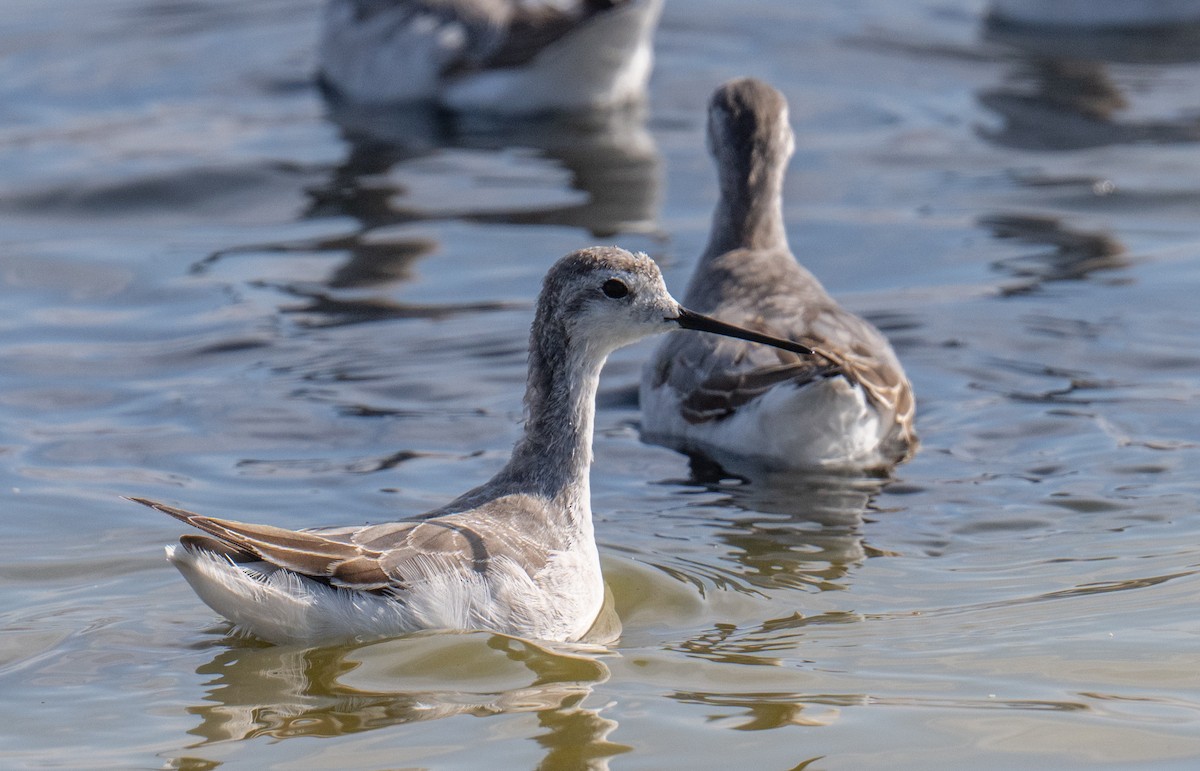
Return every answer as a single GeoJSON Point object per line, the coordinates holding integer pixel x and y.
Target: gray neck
{"type": "Point", "coordinates": [554, 456]}
{"type": "Point", "coordinates": [749, 214]}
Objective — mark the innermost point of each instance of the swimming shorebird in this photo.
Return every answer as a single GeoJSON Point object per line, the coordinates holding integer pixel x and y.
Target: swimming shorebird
{"type": "Point", "coordinates": [507, 56]}
{"type": "Point", "coordinates": [849, 406]}
{"type": "Point", "coordinates": [516, 555]}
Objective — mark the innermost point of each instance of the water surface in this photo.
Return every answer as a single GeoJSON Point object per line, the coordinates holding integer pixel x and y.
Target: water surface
{"type": "Point", "coordinates": [222, 293]}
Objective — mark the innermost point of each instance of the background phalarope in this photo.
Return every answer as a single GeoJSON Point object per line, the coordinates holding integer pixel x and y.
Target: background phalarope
{"type": "Point", "coordinates": [851, 406]}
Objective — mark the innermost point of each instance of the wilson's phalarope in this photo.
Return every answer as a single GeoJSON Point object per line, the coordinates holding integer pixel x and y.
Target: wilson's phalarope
{"type": "Point", "coordinates": [507, 56]}
{"type": "Point", "coordinates": [516, 555]}
{"type": "Point", "coordinates": [850, 406]}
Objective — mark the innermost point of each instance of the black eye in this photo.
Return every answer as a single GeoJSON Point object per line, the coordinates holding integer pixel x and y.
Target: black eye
{"type": "Point", "coordinates": [615, 288]}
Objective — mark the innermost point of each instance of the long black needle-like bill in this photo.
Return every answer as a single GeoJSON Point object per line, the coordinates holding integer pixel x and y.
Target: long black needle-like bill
{"type": "Point", "coordinates": [697, 321]}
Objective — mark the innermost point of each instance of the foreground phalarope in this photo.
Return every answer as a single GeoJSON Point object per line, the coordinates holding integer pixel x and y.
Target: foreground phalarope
{"type": "Point", "coordinates": [516, 555]}
{"type": "Point", "coordinates": [850, 406]}
{"type": "Point", "coordinates": [508, 56]}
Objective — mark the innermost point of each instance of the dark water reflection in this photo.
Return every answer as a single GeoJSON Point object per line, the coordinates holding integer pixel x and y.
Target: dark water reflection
{"type": "Point", "coordinates": [599, 172]}
{"type": "Point", "coordinates": [258, 691]}
{"type": "Point", "coordinates": [789, 529]}
{"type": "Point", "coordinates": [1065, 253]}
{"type": "Point", "coordinates": [608, 158]}
{"type": "Point", "coordinates": [1060, 93]}
{"type": "Point", "coordinates": [286, 692]}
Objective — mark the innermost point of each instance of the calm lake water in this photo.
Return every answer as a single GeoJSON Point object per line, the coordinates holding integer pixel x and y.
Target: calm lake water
{"type": "Point", "coordinates": [220, 294]}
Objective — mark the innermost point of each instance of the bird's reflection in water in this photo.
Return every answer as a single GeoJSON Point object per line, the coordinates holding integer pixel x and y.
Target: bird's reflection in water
{"type": "Point", "coordinates": [765, 711]}
{"type": "Point", "coordinates": [1061, 92]}
{"type": "Point", "coordinates": [285, 692]}
{"type": "Point", "coordinates": [599, 171]}
{"type": "Point", "coordinates": [789, 528]}
{"type": "Point", "coordinates": [344, 296]}
{"type": "Point", "coordinates": [784, 531]}
{"type": "Point", "coordinates": [1060, 252]}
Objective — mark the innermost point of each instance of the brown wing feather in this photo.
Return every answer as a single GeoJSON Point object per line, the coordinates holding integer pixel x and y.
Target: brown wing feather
{"type": "Point", "coordinates": [723, 391]}
{"type": "Point", "coordinates": [361, 572]}
{"type": "Point", "coordinates": [391, 555]}
{"type": "Point", "coordinates": [865, 357]}
{"type": "Point", "coordinates": [306, 553]}
{"type": "Point", "coordinates": [532, 29]}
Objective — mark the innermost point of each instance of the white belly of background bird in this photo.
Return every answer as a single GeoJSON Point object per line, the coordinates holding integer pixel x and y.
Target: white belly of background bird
{"type": "Point", "coordinates": [841, 429]}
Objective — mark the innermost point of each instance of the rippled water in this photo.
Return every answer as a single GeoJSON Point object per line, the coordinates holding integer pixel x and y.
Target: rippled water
{"type": "Point", "coordinates": [220, 294]}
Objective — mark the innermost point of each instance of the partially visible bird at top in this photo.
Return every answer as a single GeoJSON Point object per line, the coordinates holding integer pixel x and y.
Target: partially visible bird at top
{"type": "Point", "coordinates": [501, 56]}
{"type": "Point", "coordinates": [848, 407]}
{"type": "Point", "coordinates": [515, 555]}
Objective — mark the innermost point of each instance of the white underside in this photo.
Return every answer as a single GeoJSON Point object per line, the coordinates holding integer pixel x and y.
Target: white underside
{"type": "Point", "coordinates": [827, 424]}
{"type": "Point", "coordinates": [605, 62]}
{"type": "Point", "coordinates": [558, 604]}
{"type": "Point", "coordinates": [1096, 13]}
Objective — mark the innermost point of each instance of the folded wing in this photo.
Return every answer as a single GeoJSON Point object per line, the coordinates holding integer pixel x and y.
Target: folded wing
{"type": "Point", "coordinates": [386, 557]}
